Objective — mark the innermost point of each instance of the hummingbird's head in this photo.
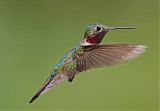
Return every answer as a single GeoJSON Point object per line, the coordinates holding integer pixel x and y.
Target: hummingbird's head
{"type": "Point", "coordinates": [96, 32]}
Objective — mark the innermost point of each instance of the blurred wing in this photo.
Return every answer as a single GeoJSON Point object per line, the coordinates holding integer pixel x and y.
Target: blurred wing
{"type": "Point", "coordinates": [60, 77]}
{"type": "Point", "coordinates": [107, 55]}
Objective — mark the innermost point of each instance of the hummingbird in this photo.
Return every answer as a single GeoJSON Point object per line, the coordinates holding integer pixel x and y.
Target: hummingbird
{"type": "Point", "coordinates": [90, 54]}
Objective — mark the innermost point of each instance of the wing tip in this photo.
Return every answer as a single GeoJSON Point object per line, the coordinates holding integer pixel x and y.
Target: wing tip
{"type": "Point", "coordinates": [141, 48]}
{"type": "Point", "coordinates": [135, 52]}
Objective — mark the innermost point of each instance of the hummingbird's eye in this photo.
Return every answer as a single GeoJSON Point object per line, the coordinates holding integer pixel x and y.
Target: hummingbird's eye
{"type": "Point", "coordinates": [98, 28]}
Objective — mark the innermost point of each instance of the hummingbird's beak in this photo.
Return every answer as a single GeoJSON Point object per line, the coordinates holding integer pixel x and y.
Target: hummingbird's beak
{"type": "Point", "coordinates": [115, 28]}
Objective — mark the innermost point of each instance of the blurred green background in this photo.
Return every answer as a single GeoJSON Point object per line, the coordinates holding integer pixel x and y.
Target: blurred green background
{"type": "Point", "coordinates": [35, 34]}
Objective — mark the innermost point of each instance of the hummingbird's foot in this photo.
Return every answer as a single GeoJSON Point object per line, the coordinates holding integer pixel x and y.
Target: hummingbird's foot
{"type": "Point", "coordinates": [70, 79]}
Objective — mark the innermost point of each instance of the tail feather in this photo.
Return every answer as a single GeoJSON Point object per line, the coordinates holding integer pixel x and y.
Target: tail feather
{"type": "Point", "coordinates": [40, 91]}
{"type": "Point", "coordinates": [60, 77]}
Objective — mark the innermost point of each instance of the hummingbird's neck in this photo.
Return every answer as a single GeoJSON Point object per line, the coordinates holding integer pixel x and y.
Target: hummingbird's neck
{"type": "Point", "coordinates": [86, 42]}
{"type": "Point", "coordinates": [92, 40]}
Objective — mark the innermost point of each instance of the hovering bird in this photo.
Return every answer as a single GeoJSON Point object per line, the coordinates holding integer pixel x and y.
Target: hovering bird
{"type": "Point", "coordinates": [90, 54]}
